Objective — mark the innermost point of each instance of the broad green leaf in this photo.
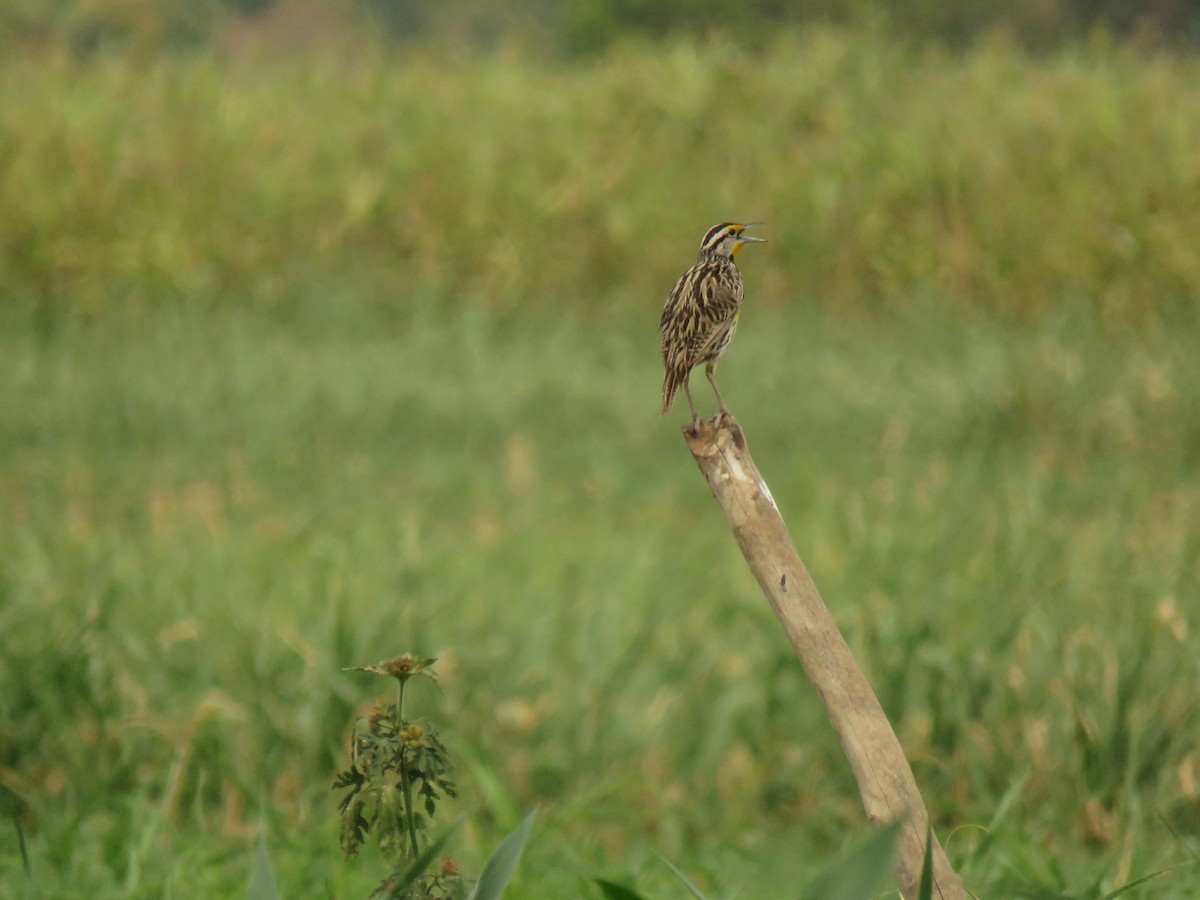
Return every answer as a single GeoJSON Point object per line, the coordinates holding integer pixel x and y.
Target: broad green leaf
{"type": "Point", "coordinates": [503, 863]}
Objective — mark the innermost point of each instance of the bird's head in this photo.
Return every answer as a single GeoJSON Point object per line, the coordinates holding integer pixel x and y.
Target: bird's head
{"type": "Point", "coordinates": [727, 239]}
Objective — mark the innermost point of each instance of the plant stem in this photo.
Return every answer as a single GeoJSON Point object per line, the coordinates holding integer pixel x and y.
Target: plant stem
{"type": "Point", "coordinates": [406, 786]}
{"type": "Point", "coordinates": [405, 782]}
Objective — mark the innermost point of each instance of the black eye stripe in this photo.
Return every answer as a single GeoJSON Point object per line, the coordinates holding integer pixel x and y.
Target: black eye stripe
{"type": "Point", "coordinates": [718, 233]}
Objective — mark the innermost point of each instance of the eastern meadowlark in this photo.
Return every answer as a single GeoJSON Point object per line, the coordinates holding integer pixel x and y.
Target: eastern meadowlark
{"type": "Point", "coordinates": [701, 314]}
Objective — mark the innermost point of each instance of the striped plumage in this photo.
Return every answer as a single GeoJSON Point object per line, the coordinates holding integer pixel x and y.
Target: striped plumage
{"type": "Point", "coordinates": [701, 314]}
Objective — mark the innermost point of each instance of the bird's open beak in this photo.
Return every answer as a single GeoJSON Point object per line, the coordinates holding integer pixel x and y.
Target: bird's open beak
{"type": "Point", "coordinates": [747, 239]}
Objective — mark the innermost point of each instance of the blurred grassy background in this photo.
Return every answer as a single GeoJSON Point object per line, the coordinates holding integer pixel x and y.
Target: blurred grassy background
{"type": "Point", "coordinates": [311, 361]}
{"type": "Point", "coordinates": [988, 179]}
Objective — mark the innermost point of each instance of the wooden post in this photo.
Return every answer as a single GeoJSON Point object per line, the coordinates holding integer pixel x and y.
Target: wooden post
{"type": "Point", "coordinates": [885, 780]}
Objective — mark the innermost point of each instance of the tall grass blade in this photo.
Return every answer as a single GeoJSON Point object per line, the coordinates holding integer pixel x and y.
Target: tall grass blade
{"type": "Point", "coordinates": [12, 805]}
{"type": "Point", "coordinates": [409, 876]}
{"type": "Point", "coordinates": [503, 863]}
{"type": "Point", "coordinates": [1138, 882]}
{"type": "Point", "coordinates": [262, 881]}
{"type": "Point", "coordinates": [925, 891]}
{"type": "Point", "coordinates": [1180, 839]}
{"type": "Point", "coordinates": [860, 873]}
{"type": "Point", "coordinates": [1003, 808]}
{"type": "Point", "coordinates": [687, 882]}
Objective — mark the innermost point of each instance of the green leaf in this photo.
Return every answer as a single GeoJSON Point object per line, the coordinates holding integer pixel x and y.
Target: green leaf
{"type": "Point", "coordinates": [859, 874]}
{"type": "Point", "coordinates": [354, 825]}
{"type": "Point", "coordinates": [500, 867]}
{"type": "Point", "coordinates": [262, 881]}
{"type": "Point", "coordinates": [409, 876]}
{"type": "Point", "coordinates": [496, 793]}
{"type": "Point", "coordinates": [14, 809]}
{"type": "Point", "coordinates": [1138, 882]}
{"type": "Point", "coordinates": [613, 891]}
{"type": "Point", "coordinates": [1002, 810]}
{"type": "Point", "coordinates": [401, 668]}
{"type": "Point", "coordinates": [1179, 839]}
{"type": "Point", "coordinates": [687, 882]}
{"type": "Point", "coordinates": [925, 891]}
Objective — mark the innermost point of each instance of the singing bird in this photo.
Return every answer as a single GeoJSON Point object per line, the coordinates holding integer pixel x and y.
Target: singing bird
{"type": "Point", "coordinates": [701, 315]}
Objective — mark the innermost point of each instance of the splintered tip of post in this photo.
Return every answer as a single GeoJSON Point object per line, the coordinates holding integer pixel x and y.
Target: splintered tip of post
{"type": "Point", "coordinates": [708, 430]}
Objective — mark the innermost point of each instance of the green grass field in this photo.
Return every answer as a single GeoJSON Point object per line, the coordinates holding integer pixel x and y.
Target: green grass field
{"type": "Point", "coordinates": [306, 364]}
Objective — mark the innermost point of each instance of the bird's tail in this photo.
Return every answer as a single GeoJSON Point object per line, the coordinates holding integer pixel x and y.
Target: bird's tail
{"type": "Point", "coordinates": [671, 383]}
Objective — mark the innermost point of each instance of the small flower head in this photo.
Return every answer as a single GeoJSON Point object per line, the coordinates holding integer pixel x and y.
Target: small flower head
{"type": "Point", "coordinates": [401, 667]}
{"type": "Point", "coordinates": [449, 867]}
{"type": "Point", "coordinates": [378, 713]}
{"type": "Point", "coordinates": [413, 736]}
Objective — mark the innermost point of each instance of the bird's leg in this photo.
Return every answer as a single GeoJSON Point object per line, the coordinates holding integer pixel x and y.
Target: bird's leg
{"type": "Point", "coordinates": [710, 371]}
{"type": "Point", "coordinates": [688, 391]}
